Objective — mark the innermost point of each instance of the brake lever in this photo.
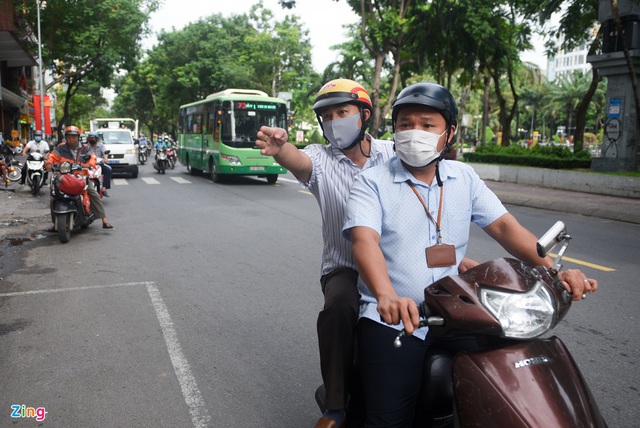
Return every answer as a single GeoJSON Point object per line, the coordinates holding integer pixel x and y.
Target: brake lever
{"type": "Point", "coordinates": [423, 323]}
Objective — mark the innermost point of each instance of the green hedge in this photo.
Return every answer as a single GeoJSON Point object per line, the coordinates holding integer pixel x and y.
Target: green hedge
{"type": "Point", "coordinates": [543, 157]}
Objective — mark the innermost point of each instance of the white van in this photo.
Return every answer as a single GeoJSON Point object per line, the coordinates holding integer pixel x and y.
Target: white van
{"type": "Point", "coordinates": [119, 135]}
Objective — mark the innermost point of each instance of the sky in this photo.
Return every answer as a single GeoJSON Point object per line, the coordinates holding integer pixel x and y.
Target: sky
{"type": "Point", "coordinates": [323, 18]}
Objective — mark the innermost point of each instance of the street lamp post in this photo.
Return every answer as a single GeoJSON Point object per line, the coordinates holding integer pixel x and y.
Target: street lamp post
{"type": "Point", "coordinates": [40, 77]}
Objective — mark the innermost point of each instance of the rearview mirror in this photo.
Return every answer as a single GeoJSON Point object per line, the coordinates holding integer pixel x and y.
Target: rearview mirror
{"type": "Point", "coordinates": [551, 238]}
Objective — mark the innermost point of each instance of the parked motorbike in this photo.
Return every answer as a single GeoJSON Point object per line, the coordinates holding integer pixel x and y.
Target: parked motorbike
{"type": "Point", "coordinates": [162, 161]}
{"type": "Point", "coordinates": [14, 168]}
{"type": "Point", "coordinates": [171, 156]}
{"type": "Point", "coordinates": [70, 204]}
{"type": "Point", "coordinates": [35, 172]}
{"type": "Point", "coordinates": [517, 378]}
{"type": "Point", "coordinates": [142, 154]}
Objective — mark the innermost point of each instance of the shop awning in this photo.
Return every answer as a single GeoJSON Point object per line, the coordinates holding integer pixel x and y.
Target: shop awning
{"type": "Point", "coordinates": [12, 52]}
{"type": "Point", "coordinates": [12, 99]}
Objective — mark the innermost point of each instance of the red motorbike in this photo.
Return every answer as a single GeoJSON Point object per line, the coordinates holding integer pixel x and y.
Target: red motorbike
{"type": "Point", "coordinates": [517, 378]}
{"type": "Point", "coordinates": [171, 156]}
{"type": "Point", "coordinates": [70, 204]}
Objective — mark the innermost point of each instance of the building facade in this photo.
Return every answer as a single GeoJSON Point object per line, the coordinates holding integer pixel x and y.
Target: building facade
{"type": "Point", "coordinates": [17, 75]}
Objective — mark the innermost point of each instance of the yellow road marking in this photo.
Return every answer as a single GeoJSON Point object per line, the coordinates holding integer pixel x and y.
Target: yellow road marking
{"type": "Point", "coordinates": [569, 259]}
{"type": "Point", "coordinates": [587, 264]}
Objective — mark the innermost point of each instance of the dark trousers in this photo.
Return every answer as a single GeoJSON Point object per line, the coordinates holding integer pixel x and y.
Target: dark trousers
{"type": "Point", "coordinates": [106, 171]}
{"type": "Point", "coordinates": [392, 377]}
{"type": "Point", "coordinates": [336, 334]}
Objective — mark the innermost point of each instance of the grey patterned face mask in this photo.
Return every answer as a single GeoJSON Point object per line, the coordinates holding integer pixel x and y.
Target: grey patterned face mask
{"type": "Point", "coordinates": [343, 132]}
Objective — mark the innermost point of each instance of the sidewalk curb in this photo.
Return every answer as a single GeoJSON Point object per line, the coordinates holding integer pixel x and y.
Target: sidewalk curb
{"type": "Point", "coordinates": [575, 181]}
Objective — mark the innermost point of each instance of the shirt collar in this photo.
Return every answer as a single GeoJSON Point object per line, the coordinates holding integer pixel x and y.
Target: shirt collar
{"type": "Point", "coordinates": [401, 174]}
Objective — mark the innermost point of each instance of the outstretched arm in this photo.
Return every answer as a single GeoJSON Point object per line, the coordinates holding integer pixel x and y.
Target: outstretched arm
{"type": "Point", "coordinates": [274, 142]}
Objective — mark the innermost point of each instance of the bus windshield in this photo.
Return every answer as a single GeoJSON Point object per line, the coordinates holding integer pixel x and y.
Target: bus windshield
{"type": "Point", "coordinates": [241, 120]}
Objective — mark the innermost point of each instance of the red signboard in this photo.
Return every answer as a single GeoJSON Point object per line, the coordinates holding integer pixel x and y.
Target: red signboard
{"type": "Point", "coordinates": [47, 113]}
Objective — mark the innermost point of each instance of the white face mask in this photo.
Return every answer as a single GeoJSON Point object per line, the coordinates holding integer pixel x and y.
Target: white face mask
{"type": "Point", "coordinates": [343, 132]}
{"type": "Point", "coordinates": [417, 148]}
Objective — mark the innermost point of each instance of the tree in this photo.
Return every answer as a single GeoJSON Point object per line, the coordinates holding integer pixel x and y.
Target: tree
{"type": "Point", "coordinates": [89, 40]}
{"type": "Point", "coordinates": [216, 53]}
{"type": "Point", "coordinates": [383, 27]}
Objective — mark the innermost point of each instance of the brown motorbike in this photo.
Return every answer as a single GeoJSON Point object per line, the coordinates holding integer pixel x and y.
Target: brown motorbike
{"type": "Point", "coordinates": [517, 379]}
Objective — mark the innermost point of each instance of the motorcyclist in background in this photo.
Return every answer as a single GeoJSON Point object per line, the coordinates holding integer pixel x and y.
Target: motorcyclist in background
{"type": "Point", "coordinates": [73, 152]}
{"type": "Point", "coordinates": [98, 149]}
{"type": "Point", "coordinates": [36, 145]}
{"type": "Point", "coordinates": [159, 145]}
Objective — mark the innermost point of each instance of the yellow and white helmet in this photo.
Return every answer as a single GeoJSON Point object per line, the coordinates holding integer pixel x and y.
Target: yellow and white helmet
{"type": "Point", "coordinates": [340, 91]}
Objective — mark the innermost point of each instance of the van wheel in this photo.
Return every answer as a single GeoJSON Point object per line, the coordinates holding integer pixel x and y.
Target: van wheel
{"type": "Point", "coordinates": [135, 173]}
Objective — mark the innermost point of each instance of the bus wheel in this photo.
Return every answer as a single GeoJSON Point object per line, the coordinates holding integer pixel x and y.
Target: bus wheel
{"type": "Point", "coordinates": [272, 178]}
{"type": "Point", "coordinates": [191, 169]}
{"type": "Point", "coordinates": [217, 178]}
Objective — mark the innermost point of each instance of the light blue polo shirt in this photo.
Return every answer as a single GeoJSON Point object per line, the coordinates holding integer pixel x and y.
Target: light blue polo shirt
{"type": "Point", "coordinates": [382, 200]}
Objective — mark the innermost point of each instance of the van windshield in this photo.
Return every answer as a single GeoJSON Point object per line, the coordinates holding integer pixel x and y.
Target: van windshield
{"type": "Point", "coordinates": [115, 137]}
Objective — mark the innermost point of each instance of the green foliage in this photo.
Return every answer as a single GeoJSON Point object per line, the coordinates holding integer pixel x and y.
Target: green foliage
{"type": "Point", "coordinates": [242, 51]}
{"type": "Point", "coordinates": [87, 41]}
{"type": "Point", "coordinates": [557, 157]}
{"type": "Point", "coordinates": [489, 133]}
{"type": "Point", "coordinates": [387, 136]}
{"type": "Point", "coordinates": [316, 137]}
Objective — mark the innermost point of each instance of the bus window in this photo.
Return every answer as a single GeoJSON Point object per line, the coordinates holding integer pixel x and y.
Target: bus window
{"type": "Point", "coordinates": [241, 121]}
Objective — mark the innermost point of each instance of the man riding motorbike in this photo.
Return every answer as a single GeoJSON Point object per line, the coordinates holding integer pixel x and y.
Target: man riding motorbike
{"type": "Point", "coordinates": [35, 145]}
{"type": "Point", "coordinates": [73, 152]}
{"type": "Point", "coordinates": [98, 149]}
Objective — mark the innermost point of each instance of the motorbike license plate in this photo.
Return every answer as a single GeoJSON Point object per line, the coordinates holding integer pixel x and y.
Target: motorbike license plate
{"type": "Point", "coordinates": [256, 168]}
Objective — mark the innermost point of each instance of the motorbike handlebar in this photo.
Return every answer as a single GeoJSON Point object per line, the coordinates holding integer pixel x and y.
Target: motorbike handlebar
{"type": "Point", "coordinates": [426, 320]}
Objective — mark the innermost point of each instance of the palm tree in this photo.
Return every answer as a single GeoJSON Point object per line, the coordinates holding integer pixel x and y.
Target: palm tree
{"type": "Point", "coordinates": [566, 95]}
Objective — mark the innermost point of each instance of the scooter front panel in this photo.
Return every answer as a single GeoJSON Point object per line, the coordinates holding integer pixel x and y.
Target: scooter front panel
{"type": "Point", "coordinates": [529, 384]}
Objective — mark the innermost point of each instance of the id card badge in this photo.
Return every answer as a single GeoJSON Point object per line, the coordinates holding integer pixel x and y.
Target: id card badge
{"type": "Point", "coordinates": [441, 255]}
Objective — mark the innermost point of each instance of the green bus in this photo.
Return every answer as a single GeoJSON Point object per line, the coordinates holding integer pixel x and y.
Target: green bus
{"type": "Point", "coordinates": [218, 134]}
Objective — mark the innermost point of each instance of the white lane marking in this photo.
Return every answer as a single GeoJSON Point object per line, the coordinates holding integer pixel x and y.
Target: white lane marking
{"type": "Point", "coordinates": [192, 396]}
{"type": "Point", "coordinates": [180, 180]}
{"type": "Point", "coordinates": [150, 180]}
{"type": "Point", "coordinates": [120, 181]}
{"type": "Point", "coordinates": [59, 290]}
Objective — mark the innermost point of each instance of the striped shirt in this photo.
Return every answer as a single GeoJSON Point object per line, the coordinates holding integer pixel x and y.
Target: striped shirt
{"type": "Point", "coordinates": [331, 179]}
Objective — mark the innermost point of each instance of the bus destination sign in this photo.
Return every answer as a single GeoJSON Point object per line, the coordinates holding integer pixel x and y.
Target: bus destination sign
{"type": "Point", "coordinates": [243, 105]}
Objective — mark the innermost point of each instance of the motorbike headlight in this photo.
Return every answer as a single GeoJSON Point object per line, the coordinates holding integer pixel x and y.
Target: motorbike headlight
{"type": "Point", "coordinates": [522, 315]}
{"type": "Point", "coordinates": [65, 168]}
{"type": "Point", "coordinates": [231, 159]}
